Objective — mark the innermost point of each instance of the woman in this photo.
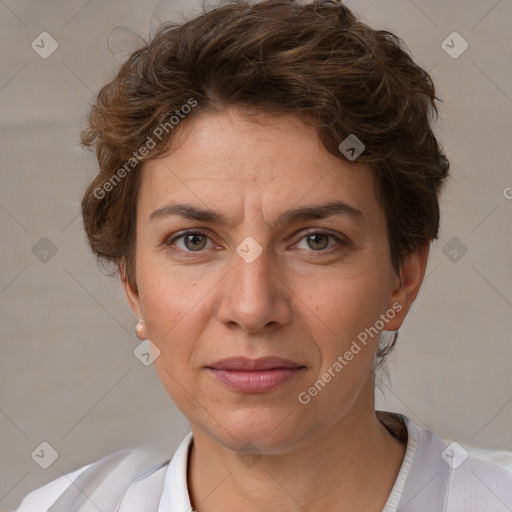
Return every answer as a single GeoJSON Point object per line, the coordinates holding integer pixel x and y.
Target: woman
{"type": "Point", "coordinates": [268, 191]}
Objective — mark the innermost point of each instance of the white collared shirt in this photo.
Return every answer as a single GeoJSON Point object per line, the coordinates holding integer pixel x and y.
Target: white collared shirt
{"type": "Point", "coordinates": [435, 476]}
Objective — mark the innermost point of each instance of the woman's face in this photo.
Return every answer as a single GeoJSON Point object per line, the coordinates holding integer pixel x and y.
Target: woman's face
{"type": "Point", "coordinates": [267, 272]}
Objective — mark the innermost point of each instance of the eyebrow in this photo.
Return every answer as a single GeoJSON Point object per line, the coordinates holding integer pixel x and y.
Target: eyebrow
{"type": "Point", "coordinates": [321, 211]}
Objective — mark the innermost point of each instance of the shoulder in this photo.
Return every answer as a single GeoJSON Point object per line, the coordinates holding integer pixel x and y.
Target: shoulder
{"type": "Point", "coordinates": [482, 481]}
{"type": "Point", "coordinates": [103, 483]}
{"type": "Point", "coordinates": [43, 498]}
{"type": "Point", "coordinates": [443, 475]}
{"type": "Point", "coordinates": [475, 478]}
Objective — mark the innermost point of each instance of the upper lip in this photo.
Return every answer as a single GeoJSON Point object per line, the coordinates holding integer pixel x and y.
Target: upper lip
{"type": "Point", "coordinates": [244, 363]}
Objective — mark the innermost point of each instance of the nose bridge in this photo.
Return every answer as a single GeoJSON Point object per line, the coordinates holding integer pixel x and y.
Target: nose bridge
{"type": "Point", "coordinates": [254, 296]}
{"type": "Point", "coordinates": [253, 275]}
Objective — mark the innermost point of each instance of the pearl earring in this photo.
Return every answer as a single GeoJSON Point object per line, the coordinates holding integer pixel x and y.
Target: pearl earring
{"type": "Point", "coordinates": [139, 330]}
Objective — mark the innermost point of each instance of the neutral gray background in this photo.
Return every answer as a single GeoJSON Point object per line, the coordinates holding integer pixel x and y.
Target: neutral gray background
{"type": "Point", "coordinates": [68, 373]}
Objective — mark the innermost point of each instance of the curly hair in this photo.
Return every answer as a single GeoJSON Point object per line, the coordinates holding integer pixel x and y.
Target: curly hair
{"type": "Point", "coordinates": [275, 57]}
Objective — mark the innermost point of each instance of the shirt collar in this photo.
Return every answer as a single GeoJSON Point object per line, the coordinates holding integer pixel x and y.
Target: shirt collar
{"type": "Point", "coordinates": [175, 497]}
{"type": "Point", "coordinates": [412, 444]}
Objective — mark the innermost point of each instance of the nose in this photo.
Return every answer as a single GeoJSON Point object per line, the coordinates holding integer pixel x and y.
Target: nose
{"type": "Point", "coordinates": [254, 297]}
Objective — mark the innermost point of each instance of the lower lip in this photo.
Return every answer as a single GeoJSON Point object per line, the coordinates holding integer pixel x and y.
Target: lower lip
{"type": "Point", "coordinates": [255, 381]}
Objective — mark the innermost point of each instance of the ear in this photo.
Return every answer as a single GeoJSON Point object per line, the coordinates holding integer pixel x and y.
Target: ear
{"type": "Point", "coordinates": [408, 285]}
{"type": "Point", "coordinates": [132, 295]}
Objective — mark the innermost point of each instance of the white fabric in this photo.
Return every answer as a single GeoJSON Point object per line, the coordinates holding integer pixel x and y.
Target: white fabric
{"type": "Point", "coordinates": [42, 499]}
{"type": "Point", "coordinates": [425, 482]}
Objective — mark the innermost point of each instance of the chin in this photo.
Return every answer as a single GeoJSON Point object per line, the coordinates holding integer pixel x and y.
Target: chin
{"type": "Point", "coordinates": [269, 430]}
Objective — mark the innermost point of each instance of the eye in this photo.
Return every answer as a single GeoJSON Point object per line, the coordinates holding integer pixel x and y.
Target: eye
{"type": "Point", "coordinates": [319, 241]}
{"type": "Point", "coordinates": [193, 241]}
{"type": "Point", "coordinates": [196, 241]}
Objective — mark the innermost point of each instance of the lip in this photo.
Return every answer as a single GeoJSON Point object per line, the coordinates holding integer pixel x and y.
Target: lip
{"type": "Point", "coordinates": [245, 363]}
{"type": "Point", "coordinates": [254, 375]}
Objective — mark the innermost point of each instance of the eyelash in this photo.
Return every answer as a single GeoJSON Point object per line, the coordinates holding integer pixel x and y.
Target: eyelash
{"type": "Point", "coordinates": [339, 241]}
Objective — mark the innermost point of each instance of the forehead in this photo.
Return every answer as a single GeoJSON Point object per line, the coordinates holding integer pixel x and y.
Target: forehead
{"type": "Point", "coordinates": [229, 160]}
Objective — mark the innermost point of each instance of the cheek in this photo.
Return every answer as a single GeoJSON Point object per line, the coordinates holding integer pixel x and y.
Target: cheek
{"type": "Point", "coordinates": [346, 301]}
{"type": "Point", "coordinates": [345, 308]}
{"type": "Point", "coordinates": [170, 311]}
{"type": "Point", "coordinates": [176, 310]}
{"type": "Point", "coordinates": [172, 298]}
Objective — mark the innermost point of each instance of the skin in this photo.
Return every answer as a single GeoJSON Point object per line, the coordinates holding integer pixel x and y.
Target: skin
{"type": "Point", "coordinates": [292, 301]}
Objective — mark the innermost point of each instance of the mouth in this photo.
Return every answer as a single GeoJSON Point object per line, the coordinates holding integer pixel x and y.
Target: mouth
{"type": "Point", "coordinates": [254, 375]}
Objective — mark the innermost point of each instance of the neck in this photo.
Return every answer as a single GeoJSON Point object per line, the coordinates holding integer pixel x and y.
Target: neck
{"type": "Point", "coordinates": [352, 466]}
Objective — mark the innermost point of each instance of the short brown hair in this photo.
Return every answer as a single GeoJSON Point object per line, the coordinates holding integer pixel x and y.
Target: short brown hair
{"type": "Point", "coordinates": [315, 60]}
